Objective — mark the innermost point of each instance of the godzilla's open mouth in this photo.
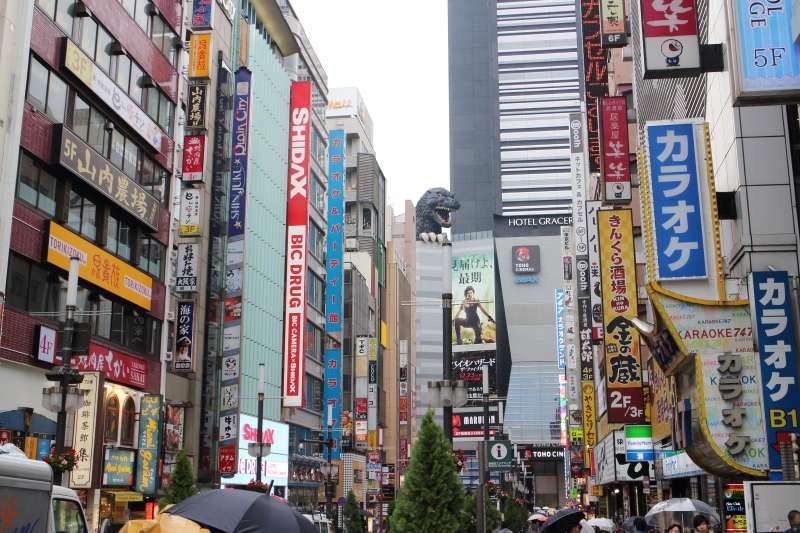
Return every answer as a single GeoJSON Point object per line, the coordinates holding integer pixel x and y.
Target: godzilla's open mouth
{"type": "Point", "coordinates": [443, 215]}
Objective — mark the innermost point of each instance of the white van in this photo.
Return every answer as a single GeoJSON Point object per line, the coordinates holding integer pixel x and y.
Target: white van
{"type": "Point", "coordinates": [28, 497]}
{"type": "Point", "coordinates": [321, 522]}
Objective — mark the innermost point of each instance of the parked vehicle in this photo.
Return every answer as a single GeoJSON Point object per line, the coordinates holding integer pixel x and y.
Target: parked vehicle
{"type": "Point", "coordinates": [321, 522]}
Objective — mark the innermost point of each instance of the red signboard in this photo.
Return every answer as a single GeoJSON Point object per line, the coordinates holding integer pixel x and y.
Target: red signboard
{"type": "Point", "coordinates": [595, 74]}
{"type": "Point", "coordinates": [194, 157]}
{"type": "Point", "coordinates": [670, 42]}
{"type": "Point", "coordinates": [296, 246]}
{"type": "Point", "coordinates": [616, 165]}
{"type": "Point", "coordinates": [227, 459]}
{"type": "Point", "coordinates": [117, 366]}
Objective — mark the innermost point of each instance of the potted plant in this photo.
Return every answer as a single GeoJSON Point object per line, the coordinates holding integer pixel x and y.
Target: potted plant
{"type": "Point", "coordinates": [62, 462]}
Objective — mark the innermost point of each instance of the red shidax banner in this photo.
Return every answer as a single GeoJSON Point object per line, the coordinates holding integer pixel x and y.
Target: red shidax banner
{"type": "Point", "coordinates": [294, 324]}
{"type": "Point", "coordinates": [614, 139]}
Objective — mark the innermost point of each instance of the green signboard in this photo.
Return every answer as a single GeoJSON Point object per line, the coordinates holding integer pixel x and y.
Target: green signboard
{"type": "Point", "coordinates": [500, 455]}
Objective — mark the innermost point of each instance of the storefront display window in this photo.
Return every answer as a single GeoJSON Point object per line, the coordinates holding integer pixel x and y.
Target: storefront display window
{"type": "Point", "coordinates": [128, 422]}
{"type": "Point", "coordinates": [111, 418]}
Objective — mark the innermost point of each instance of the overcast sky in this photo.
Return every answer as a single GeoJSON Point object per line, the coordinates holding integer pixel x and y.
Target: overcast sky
{"type": "Point", "coordinates": [397, 57]}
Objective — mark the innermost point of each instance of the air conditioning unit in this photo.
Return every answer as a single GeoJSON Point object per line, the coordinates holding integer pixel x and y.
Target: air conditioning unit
{"type": "Point", "coordinates": [170, 315]}
{"type": "Point", "coordinates": [167, 357]}
{"type": "Point", "coordinates": [80, 10]}
{"type": "Point", "coordinates": [151, 9]}
{"type": "Point", "coordinates": [116, 49]}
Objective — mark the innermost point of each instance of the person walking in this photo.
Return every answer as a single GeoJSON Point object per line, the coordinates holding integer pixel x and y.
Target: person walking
{"type": "Point", "coordinates": [794, 521]}
{"type": "Point", "coordinates": [700, 524]}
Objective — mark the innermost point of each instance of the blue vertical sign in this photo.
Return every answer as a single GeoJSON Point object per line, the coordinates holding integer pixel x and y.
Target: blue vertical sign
{"type": "Point", "coordinates": [768, 55]}
{"type": "Point", "coordinates": [334, 279]}
{"type": "Point", "coordinates": [771, 307]}
{"type": "Point", "coordinates": [676, 201]}
{"type": "Point", "coordinates": [560, 338]}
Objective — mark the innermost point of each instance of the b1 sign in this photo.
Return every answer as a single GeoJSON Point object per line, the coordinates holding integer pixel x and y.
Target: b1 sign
{"type": "Point", "coordinates": [675, 166]}
{"type": "Point", "coordinates": [765, 54]}
{"type": "Point", "coordinates": [670, 40]}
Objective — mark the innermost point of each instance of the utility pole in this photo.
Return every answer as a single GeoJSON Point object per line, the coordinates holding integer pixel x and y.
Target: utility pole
{"type": "Point", "coordinates": [260, 441]}
{"type": "Point", "coordinates": [447, 334]}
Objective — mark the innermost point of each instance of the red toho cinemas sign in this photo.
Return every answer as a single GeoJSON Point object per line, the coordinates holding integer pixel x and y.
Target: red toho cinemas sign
{"type": "Point", "coordinates": [294, 324]}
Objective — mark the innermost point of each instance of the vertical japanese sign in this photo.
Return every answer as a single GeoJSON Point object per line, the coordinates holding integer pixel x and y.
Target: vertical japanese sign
{"type": "Point", "coordinates": [296, 246]}
{"type": "Point", "coordinates": [561, 350]}
{"type": "Point", "coordinates": [194, 158]}
{"type": "Point", "coordinates": [623, 361]}
{"type": "Point", "coordinates": [186, 278]}
{"type": "Point", "coordinates": [589, 417]}
{"type": "Point", "coordinates": [334, 280]}
{"type": "Point", "coordinates": [189, 221]}
{"type": "Point", "coordinates": [228, 401]}
{"type": "Point", "coordinates": [200, 55]}
{"type": "Point", "coordinates": [362, 363]}
{"type": "Point", "coordinates": [85, 432]}
{"type": "Point", "coordinates": [612, 23]}
{"type": "Point", "coordinates": [372, 390]}
{"type": "Point", "coordinates": [614, 139]}
{"type": "Point", "coordinates": [674, 160]}
{"type": "Point", "coordinates": [196, 113]}
{"type": "Point", "coordinates": [149, 443]}
{"type": "Point", "coordinates": [773, 317]}
{"type": "Point", "coordinates": [595, 74]}
{"type": "Point", "coordinates": [670, 41]}
{"type": "Point", "coordinates": [183, 358]}
{"type": "Point", "coordinates": [595, 281]}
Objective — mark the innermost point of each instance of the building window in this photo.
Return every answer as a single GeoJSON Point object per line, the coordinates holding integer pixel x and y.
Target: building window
{"type": "Point", "coordinates": [88, 35]}
{"type": "Point", "coordinates": [314, 347]}
{"type": "Point", "coordinates": [316, 241]}
{"type": "Point", "coordinates": [82, 215]}
{"type": "Point", "coordinates": [128, 422]}
{"type": "Point", "coordinates": [313, 393]}
{"type": "Point", "coordinates": [46, 91]}
{"type": "Point", "coordinates": [315, 291]}
{"type": "Point", "coordinates": [111, 417]}
{"type": "Point", "coordinates": [102, 53]}
{"type": "Point", "coordinates": [151, 254]}
{"type": "Point", "coordinates": [100, 308]}
{"type": "Point", "coordinates": [366, 219]}
{"type": "Point", "coordinates": [35, 186]}
{"type": "Point", "coordinates": [317, 194]}
{"type": "Point", "coordinates": [119, 237]}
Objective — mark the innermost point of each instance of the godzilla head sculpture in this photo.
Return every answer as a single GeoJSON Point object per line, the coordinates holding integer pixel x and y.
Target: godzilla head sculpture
{"type": "Point", "coordinates": [435, 211]}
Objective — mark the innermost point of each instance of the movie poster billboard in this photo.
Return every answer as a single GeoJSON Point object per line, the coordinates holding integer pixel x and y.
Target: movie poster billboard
{"type": "Point", "coordinates": [296, 246]}
{"type": "Point", "coordinates": [623, 365]}
{"type": "Point", "coordinates": [473, 298]}
{"type": "Point", "coordinates": [468, 367]}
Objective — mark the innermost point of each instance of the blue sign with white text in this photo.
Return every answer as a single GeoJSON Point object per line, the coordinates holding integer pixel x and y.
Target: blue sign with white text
{"type": "Point", "coordinates": [561, 347]}
{"type": "Point", "coordinates": [768, 54]}
{"type": "Point", "coordinates": [334, 280]}
{"type": "Point", "coordinates": [771, 307]}
{"type": "Point", "coordinates": [676, 201]}
{"type": "Point", "coordinates": [239, 155]}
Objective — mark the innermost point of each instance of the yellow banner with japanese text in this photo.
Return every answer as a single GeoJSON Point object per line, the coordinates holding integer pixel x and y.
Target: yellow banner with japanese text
{"type": "Point", "coordinates": [200, 55]}
{"type": "Point", "coordinates": [99, 267]}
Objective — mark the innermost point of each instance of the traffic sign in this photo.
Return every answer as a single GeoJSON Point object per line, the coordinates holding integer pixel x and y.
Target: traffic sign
{"type": "Point", "coordinates": [500, 455]}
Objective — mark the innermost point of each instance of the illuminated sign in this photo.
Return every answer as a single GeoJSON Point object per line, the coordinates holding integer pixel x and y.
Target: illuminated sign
{"type": "Point", "coordinates": [149, 443]}
{"type": "Point", "coordinates": [616, 164]}
{"type": "Point", "coordinates": [670, 40]}
{"type": "Point", "coordinates": [189, 217]}
{"type": "Point", "coordinates": [612, 23]}
{"type": "Point", "coordinates": [194, 158]}
{"type": "Point", "coordinates": [196, 113]}
{"type": "Point", "coordinates": [99, 267]}
{"type": "Point", "coordinates": [595, 75]}
{"type": "Point", "coordinates": [200, 55]}
{"type": "Point", "coordinates": [115, 365]}
{"type": "Point", "coordinates": [187, 275]}
{"type": "Point", "coordinates": [296, 246]}
{"type": "Point", "coordinates": [184, 338]}
{"type": "Point", "coordinates": [202, 14]}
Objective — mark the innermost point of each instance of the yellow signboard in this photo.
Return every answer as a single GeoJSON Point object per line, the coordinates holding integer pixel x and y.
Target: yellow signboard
{"type": "Point", "coordinates": [372, 440]}
{"type": "Point", "coordinates": [99, 267]}
{"type": "Point", "coordinates": [200, 55]}
{"type": "Point", "coordinates": [589, 428]}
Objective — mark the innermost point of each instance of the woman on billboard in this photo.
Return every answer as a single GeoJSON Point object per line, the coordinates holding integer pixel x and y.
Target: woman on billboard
{"type": "Point", "coordinates": [470, 320]}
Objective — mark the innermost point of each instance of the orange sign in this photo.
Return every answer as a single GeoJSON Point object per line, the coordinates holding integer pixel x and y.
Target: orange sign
{"type": "Point", "coordinates": [99, 267]}
{"type": "Point", "coordinates": [200, 55]}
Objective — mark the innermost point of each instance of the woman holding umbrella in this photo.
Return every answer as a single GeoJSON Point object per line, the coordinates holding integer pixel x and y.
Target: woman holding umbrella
{"type": "Point", "coordinates": [564, 521]}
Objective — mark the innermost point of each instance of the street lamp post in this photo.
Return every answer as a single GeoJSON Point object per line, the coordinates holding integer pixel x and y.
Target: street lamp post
{"type": "Point", "coordinates": [67, 377]}
{"type": "Point", "coordinates": [260, 441]}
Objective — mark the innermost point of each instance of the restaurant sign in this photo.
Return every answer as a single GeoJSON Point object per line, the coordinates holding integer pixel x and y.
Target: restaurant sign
{"type": "Point", "coordinates": [149, 443]}
{"type": "Point", "coordinates": [118, 367]}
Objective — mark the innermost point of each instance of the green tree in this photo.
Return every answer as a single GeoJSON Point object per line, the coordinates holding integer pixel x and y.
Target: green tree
{"type": "Point", "coordinates": [470, 518]}
{"type": "Point", "coordinates": [515, 515]}
{"type": "Point", "coordinates": [431, 498]}
{"type": "Point", "coordinates": [351, 515]}
{"type": "Point", "coordinates": [181, 482]}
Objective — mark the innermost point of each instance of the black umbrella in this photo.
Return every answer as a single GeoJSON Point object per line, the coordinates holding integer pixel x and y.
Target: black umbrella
{"type": "Point", "coordinates": [563, 520]}
{"type": "Point", "coordinates": [242, 511]}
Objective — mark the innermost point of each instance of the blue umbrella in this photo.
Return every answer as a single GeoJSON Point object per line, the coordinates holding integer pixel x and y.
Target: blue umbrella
{"type": "Point", "coordinates": [241, 511]}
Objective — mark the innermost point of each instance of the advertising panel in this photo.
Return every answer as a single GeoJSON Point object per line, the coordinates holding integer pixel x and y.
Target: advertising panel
{"type": "Point", "coordinates": [526, 259]}
{"type": "Point", "coordinates": [99, 267]}
{"type": "Point", "coordinates": [595, 281]}
{"type": "Point", "coordinates": [733, 512]}
{"type": "Point", "coordinates": [186, 275]}
{"type": "Point", "coordinates": [202, 14]}
{"type": "Point", "coordinates": [614, 135]}
{"type": "Point", "coordinates": [118, 467]}
{"type": "Point", "coordinates": [189, 222]}
{"type": "Point", "coordinates": [661, 412]}
{"type": "Point", "coordinates": [678, 464]}
{"type": "Point", "coordinates": [149, 443]}
{"type": "Point", "coordinates": [183, 358]}
{"type": "Point", "coordinates": [726, 385]}
{"type": "Point", "coordinates": [173, 439]}
{"type": "Point", "coordinates": [80, 159]}
{"type": "Point", "coordinates": [46, 348]}
{"type": "Point", "coordinates": [561, 349]}
{"type": "Point", "coordinates": [612, 23]}
{"type": "Point", "coordinates": [200, 55]}
{"type": "Point", "coordinates": [85, 433]}
{"type": "Point", "coordinates": [595, 74]}
{"type": "Point", "coordinates": [670, 40]}
{"type": "Point", "coordinates": [675, 151]}
{"type": "Point", "coordinates": [196, 113]}
{"type": "Point", "coordinates": [194, 158]}
{"type": "Point", "coordinates": [766, 504]}
{"type": "Point", "coordinates": [473, 299]}
{"type": "Point", "coordinates": [296, 246]}
{"type": "Point", "coordinates": [468, 423]}
{"type": "Point", "coordinates": [468, 366]}
{"type": "Point", "coordinates": [623, 362]}
{"type": "Point", "coordinates": [639, 442]}
{"type": "Point", "coordinates": [611, 464]}
{"type": "Point", "coordinates": [764, 51]}
{"type": "Point", "coordinates": [115, 365]}
{"type": "Point", "coordinates": [82, 66]}
{"type": "Point", "coordinates": [589, 416]}
{"type": "Point", "coordinates": [275, 466]}
{"type": "Point", "coordinates": [773, 317]}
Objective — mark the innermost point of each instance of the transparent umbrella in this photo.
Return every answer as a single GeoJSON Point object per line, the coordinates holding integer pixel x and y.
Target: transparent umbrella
{"type": "Point", "coordinates": [680, 511]}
